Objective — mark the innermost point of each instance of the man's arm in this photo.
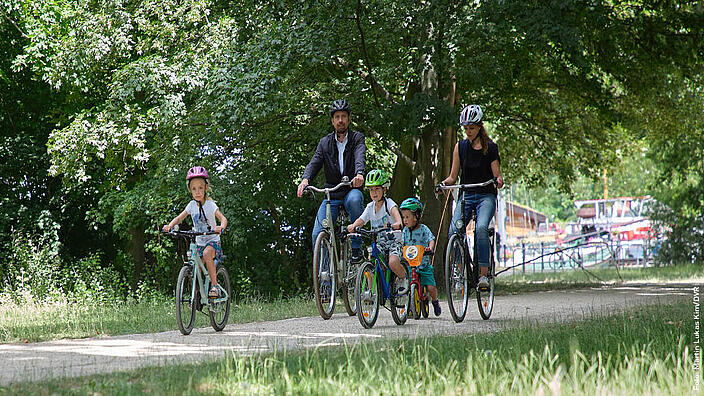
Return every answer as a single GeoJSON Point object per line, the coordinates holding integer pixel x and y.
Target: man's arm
{"type": "Point", "coordinates": [360, 151]}
{"type": "Point", "coordinates": [315, 164]}
{"type": "Point", "coordinates": [312, 168]}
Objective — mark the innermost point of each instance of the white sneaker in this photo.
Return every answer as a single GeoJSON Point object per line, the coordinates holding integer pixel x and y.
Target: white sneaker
{"type": "Point", "coordinates": [402, 286]}
{"type": "Point", "coordinates": [483, 283]}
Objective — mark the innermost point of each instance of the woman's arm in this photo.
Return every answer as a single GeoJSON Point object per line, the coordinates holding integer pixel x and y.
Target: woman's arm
{"type": "Point", "coordinates": [455, 167]}
{"type": "Point", "coordinates": [177, 220]}
{"type": "Point", "coordinates": [496, 171]}
{"type": "Point", "coordinates": [397, 218]}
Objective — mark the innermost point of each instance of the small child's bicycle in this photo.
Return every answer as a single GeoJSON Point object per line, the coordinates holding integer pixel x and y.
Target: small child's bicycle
{"type": "Point", "coordinates": [420, 300]}
{"type": "Point", "coordinates": [462, 264]}
{"type": "Point", "coordinates": [192, 291]}
{"type": "Point", "coordinates": [376, 282]}
{"type": "Point", "coordinates": [332, 258]}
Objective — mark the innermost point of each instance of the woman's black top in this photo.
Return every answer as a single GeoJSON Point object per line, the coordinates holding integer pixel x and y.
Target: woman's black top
{"type": "Point", "coordinates": [476, 166]}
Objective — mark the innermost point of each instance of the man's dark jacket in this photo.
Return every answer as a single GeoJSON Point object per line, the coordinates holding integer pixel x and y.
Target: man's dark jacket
{"type": "Point", "coordinates": [326, 154]}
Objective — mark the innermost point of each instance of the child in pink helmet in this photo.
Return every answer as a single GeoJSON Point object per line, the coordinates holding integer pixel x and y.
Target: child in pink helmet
{"type": "Point", "coordinates": [203, 211]}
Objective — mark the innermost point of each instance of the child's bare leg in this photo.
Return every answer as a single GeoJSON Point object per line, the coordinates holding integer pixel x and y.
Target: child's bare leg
{"type": "Point", "coordinates": [209, 260]}
{"type": "Point", "coordinates": [396, 267]}
{"type": "Point", "coordinates": [433, 291]}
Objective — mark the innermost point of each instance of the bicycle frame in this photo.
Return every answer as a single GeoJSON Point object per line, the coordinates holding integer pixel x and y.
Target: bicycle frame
{"type": "Point", "coordinates": [380, 267]}
{"type": "Point", "coordinates": [469, 240]}
{"type": "Point", "coordinates": [202, 278]}
{"type": "Point", "coordinates": [328, 226]}
{"type": "Point", "coordinates": [415, 278]}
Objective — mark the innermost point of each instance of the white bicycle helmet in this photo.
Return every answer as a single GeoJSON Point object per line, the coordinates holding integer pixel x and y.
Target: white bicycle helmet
{"type": "Point", "coordinates": [471, 114]}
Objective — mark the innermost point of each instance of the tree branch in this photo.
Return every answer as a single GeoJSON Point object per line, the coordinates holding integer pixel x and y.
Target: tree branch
{"type": "Point", "coordinates": [366, 76]}
{"type": "Point", "coordinates": [364, 50]}
{"type": "Point", "coordinates": [400, 154]}
{"type": "Point", "coordinates": [24, 35]}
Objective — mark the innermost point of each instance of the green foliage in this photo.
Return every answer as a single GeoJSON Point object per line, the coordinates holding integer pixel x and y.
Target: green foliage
{"type": "Point", "coordinates": [34, 262]}
{"type": "Point", "coordinates": [121, 97]}
{"type": "Point", "coordinates": [35, 270]}
{"type": "Point", "coordinates": [632, 174]}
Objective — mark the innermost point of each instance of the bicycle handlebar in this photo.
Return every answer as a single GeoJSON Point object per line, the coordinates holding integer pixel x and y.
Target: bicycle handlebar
{"type": "Point", "coordinates": [364, 232]}
{"type": "Point", "coordinates": [190, 233]}
{"type": "Point", "coordinates": [442, 187]}
{"type": "Point", "coordinates": [344, 183]}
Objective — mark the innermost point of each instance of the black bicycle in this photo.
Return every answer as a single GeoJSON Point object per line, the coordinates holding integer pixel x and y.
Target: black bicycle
{"type": "Point", "coordinates": [462, 264]}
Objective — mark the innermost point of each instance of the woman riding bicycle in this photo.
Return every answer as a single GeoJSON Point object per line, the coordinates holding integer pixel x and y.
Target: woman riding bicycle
{"type": "Point", "coordinates": [478, 158]}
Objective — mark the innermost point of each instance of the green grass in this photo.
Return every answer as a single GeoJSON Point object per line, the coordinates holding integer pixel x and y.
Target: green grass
{"type": "Point", "coordinates": [34, 322]}
{"type": "Point", "coordinates": [508, 283]}
{"type": "Point", "coordinates": [644, 351]}
{"type": "Point", "coordinates": [43, 321]}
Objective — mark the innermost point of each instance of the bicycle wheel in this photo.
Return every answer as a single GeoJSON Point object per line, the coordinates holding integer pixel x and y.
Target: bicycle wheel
{"type": "Point", "coordinates": [485, 299]}
{"type": "Point", "coordinates": [415, 299]}
{"type": "Point", "coordinates": [324, 279]}
{"type": "Point", "coordinates": [399, 304]}
{"type": "Point", "coordinates": [456, 278]}
{"type": "Point", "coordinates": [425, 304]}
{"type": "Point", "coordinates": [220, 310]}
{"type": "Point", "coordinates": [367, 295]}
{"type": "Point", "coordinates": [185, 308]}
{"type": "Point", "coordinates": [350, 275]}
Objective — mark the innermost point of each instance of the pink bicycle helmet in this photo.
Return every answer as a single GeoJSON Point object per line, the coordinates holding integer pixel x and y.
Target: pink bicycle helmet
{"type": "Point", "coordinates": [196, 171]}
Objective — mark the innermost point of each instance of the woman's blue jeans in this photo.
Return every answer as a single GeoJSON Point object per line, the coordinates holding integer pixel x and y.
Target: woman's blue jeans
{"type": "Point", "coordinates": [353, 203]}
{"type": "Point", "coordinates": [485, 205]}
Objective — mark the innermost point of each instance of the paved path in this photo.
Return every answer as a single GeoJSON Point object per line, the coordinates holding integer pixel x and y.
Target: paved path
{"type": "Point", "coordinates": [69, 358]}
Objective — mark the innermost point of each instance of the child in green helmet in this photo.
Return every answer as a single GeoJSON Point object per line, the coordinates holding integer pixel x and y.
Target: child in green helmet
{"type": "Point", "coordinates": [382, 212]}
{"type": "Point", "coordinates": [415, 233]}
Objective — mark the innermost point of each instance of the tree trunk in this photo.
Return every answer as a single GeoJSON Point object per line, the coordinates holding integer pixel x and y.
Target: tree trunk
{"type": "Point", "coordinates": [136, 247]}
{"type": "Point", "coordinates": [403, 181]}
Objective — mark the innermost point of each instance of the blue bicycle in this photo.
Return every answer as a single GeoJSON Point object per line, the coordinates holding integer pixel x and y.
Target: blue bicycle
{"type": "Point", "coordinates": [376, 284]}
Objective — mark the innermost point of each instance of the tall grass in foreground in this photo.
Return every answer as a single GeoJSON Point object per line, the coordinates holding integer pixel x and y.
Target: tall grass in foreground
{"type": "Point", "coordinates": [646, 351]}
{"type": "Point", "coordinates": [39, 321]}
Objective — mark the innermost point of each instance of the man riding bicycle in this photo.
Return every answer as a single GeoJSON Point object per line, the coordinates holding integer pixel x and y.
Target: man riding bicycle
{"type": "Point", "coordinates": [341, 153]}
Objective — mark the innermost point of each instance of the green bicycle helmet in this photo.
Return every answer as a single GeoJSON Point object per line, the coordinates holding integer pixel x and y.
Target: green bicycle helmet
{"type": "Point", "coordinates": [377, 177]}
{"type": "Point", "coordinates": [414, 205]}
